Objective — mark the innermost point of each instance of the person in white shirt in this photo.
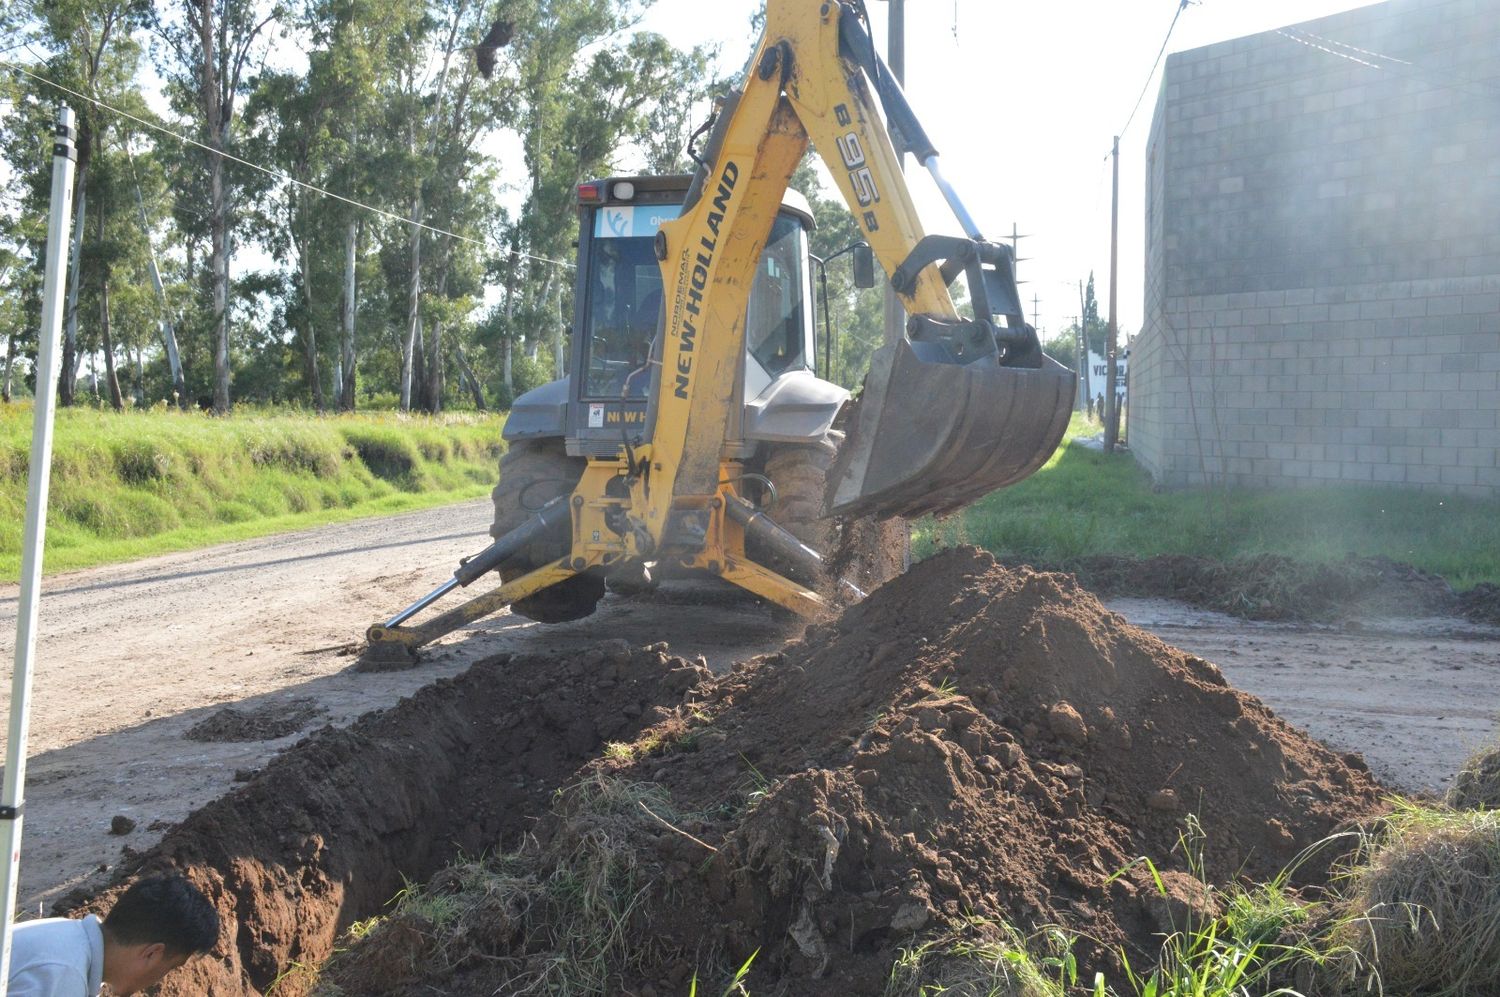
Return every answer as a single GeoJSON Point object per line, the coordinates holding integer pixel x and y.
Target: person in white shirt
{"type": "Point", "coordinates": [154, 927]}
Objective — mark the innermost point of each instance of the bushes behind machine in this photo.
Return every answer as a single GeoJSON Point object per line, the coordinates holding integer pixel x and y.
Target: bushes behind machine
{"type": "Point", "coordinates": [125, 486]}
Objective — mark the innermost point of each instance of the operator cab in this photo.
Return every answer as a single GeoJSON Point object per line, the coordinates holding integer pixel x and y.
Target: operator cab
{"type": "Point", "coordinates": [618, 310]}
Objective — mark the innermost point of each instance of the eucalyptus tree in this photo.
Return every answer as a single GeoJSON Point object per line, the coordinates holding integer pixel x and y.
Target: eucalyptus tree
{"type": "Point", "coordinates": [213, 47]}
{"type": "Point", "coordinates": [90, 50]}
{"type": "Point", "coordinates": [595, 96]}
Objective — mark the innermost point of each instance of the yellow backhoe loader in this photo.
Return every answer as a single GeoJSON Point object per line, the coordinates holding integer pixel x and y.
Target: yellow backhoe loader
{"type": "Point", "coordinates": [693, 421]}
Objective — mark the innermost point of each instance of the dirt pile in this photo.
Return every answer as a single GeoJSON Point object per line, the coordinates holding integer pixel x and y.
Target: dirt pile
{"type": "Point", "coordinates": [337, 824]}
{"type": "Point", "coordinates": [1274, 587]}
{"type": "Point", "coordinates": [969, 742]}
{"type": "Point", "coordinates": [265, 723]}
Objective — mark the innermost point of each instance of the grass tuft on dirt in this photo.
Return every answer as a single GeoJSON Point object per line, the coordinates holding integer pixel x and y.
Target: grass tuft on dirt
{"type": "Point", "coordinates": [977, 958]}
{"type": "Point", "coordinates": [132, 484]}
{"type": "Point", "coordinates": [573, 929]}
{"type": "Point", "coordinates": [1477, 784]}
{"type": "Point", "coordinates": [1425, 911]}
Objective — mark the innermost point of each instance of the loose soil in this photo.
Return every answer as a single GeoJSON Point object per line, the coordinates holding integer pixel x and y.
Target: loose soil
{"type": "Point", "coordinates": [1274, 587]}
{"type": "Point", "coordinates": [969, 741]}
{"type": "Point", "coordinates": [263, 723]}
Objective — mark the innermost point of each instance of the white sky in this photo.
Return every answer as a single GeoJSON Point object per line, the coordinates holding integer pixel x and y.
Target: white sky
{"type": "Point", "coordinates": [1022, 102]}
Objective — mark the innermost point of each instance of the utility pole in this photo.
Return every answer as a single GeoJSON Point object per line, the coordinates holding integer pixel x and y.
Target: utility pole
{"type": "Point", "coordinates": [1112, 411]}
{"type": "Point", "coordinates": [1086, 397]}
{"type": "Point", "coordinates": [1015, 249]}
{"type": "Point", "coordinates": [1036, 310]}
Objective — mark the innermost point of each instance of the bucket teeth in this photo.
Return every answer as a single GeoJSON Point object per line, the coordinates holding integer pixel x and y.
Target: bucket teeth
{"type": "Point", "coordinates": [930, 436]}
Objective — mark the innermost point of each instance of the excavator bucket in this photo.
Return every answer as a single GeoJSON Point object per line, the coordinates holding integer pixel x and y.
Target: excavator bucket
{"type": "Point", "coordinates": [929, 435]}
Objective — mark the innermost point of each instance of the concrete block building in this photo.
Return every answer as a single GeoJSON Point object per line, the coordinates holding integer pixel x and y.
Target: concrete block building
{"type": "Point", "coordinates": [1323, 256]}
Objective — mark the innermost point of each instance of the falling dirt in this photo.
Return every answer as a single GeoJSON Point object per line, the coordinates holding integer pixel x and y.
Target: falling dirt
{"type": "Point", "coordinates": [971, 741]}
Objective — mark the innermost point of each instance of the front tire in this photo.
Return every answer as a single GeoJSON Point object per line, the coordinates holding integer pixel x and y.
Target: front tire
{"type": "Point", "coordinates": [532, 473]}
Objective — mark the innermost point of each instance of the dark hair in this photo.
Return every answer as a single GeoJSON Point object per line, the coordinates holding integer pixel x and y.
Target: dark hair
{"type": "Point", "coordinates": [166, 909]}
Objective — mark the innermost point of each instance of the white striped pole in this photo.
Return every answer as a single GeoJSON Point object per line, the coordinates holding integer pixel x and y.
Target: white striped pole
{"type": "Point", "coordinates": [12, 803]}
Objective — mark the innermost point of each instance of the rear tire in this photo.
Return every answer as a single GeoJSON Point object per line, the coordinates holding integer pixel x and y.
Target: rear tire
{"type": "Point", "coordinates": [532, 473]}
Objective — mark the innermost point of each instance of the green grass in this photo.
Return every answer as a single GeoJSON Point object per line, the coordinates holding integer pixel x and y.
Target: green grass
{"type": "Point", "coordinates": [1084, 502]}
{"type": "Point", "coordinates": [139, 483]}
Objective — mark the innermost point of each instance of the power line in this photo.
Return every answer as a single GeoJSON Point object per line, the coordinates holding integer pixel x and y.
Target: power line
{"type": "Point", "coordinates": [267, 170]}
{"type": "Point", "coordinates": [1182, 5]}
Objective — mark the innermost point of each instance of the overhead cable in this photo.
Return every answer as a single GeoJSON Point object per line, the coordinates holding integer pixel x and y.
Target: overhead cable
{"type": "Point", "coordinates": [286, 178]}
{"type": "Point", "coordinates": [1181, 6]}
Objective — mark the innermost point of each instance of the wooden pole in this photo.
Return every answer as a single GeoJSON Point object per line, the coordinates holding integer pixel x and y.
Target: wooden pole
{"type": "Point", "coordinates": [1111, 403]}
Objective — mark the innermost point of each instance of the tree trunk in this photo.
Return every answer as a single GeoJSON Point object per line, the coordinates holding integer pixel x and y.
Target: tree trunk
{"type": "Point", "coordinates": [348, 308]}
{"type": "Point", "coordinates": [67, 375]}
{"type": "Point", "coordinates": [507, 377]}
{"type": "Point", "coordinates": [475, 388]}
{"type": "Point", "coordinates": [432, 395]}
{"type": "Point", "coordinates": [10, 360]}
{"type": "Point", "coordinates": [219, 267]}
{"type": "Point", "coordinates": [418, 365]}
{"type": "Point", "coordinates": [140, 378]}
{"type": "Point", "coordinates": [309, 330]}
{"type": "Point", "coordinates": [410, 355]}
{"type": "Point", "coordinates": [512, 272]}
{"type": "Point", "coordinates": [164, 324]}
{"type": "Point", "coordinates": [111, 379]}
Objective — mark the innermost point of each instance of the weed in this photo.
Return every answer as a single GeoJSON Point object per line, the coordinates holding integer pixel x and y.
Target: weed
{"type": "Point", "coordinates": [979, 958]}
{"type": "Point", "coordinates": [736, 985]}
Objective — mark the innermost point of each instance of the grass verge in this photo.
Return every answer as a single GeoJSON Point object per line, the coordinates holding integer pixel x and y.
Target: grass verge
{"type": "Point", "coordinates": [140, 483]}
{"type": "Point", "coordinates": [1084, 502]}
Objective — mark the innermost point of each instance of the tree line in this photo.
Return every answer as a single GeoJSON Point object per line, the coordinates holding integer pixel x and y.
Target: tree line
{"type": "Point", "coordinates": [351, 188]}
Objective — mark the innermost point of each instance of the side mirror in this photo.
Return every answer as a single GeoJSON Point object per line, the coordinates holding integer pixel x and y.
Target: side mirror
{"type": "Point", "coordinates": [864, 266]}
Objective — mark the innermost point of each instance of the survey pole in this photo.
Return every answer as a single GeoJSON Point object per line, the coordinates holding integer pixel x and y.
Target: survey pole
{"type": "Point", "coordinates": [12, 803]}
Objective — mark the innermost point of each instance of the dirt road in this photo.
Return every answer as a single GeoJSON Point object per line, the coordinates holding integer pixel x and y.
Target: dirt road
{"type": "Point", "coordinates": [134, 656]}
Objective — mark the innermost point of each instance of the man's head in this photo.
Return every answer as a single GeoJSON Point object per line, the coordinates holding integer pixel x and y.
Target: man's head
{"type": "Point", "coordinates": [156, 925]}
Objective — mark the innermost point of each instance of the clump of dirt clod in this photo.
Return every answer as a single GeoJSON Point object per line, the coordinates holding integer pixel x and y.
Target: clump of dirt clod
{"type": "Point", "coordinates": [969, 742]}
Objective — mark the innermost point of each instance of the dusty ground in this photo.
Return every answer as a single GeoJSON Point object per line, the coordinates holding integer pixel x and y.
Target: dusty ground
{"type": "Point", "coordinates": [134, 656]}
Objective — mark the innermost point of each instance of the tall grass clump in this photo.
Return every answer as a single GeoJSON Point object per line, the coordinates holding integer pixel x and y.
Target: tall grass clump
{"type": "Point", "coordinates": [1477, 784]}
{"type": "Point", "coordinates": [560, 918]}
{"type": "Point", "coordinates": [130, 484]}
{"type": "Point", "coordinates": [1424, 906]}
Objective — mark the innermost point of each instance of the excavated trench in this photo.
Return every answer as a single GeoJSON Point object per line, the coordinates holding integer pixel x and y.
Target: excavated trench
{"type": "Point", "coordinates": [971, 741]}
{"type": "Point", "coordinates": [334, 827]}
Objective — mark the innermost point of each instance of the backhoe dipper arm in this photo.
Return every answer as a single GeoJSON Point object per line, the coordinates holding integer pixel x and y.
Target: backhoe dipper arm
{"type": "Point", "coordinates": [805, 81]}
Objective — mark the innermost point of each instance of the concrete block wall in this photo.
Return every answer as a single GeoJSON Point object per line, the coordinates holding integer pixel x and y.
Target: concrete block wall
{"type": "Point", "coordinates": [1323, 256]}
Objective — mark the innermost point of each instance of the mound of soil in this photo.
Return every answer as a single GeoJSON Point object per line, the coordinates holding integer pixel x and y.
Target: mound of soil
{"type": "Point", "coordinates": [1481, 603]}
{"type": "Point", "coordinates": [336, 825]}
{"type": "Point", "coordinates": [969, 742]}
{"type": "Point", "coordinates": [1274, 587]}
{"type": "Point", "coordinates": [263, 723]}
